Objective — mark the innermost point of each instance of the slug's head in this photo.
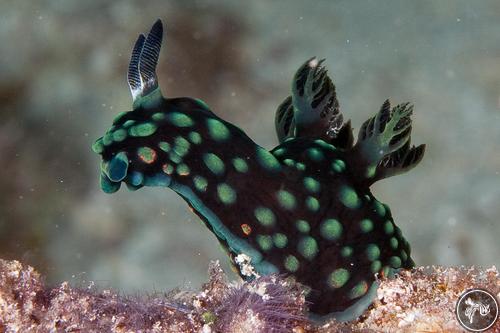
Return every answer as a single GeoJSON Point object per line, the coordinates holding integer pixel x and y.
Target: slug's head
{"type": "Point", "coordinates": [124, 148]}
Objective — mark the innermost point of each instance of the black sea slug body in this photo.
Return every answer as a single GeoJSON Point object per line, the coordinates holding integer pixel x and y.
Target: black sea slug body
{"type": "Point", "coordinates": [303, 209]}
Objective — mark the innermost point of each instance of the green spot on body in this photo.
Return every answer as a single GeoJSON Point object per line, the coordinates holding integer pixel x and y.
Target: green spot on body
{"type": "Point", "coordinates": [346, 251]}
{"type": "Point", "coordinates": [338, 278]}
{"type": "Point", "coordinates": [371, 171]}
{"type": "Point", "coordinates": [291, 263]}
{"type": "Point", "coordinates": [395, 261]}
{"type": "Point", "coordinates": [141, 130]}
{"type": "Point", "coordinates": [194, 137]}
{"type": "Point", "coordinates": [286, 199]}
{"type": "Point", "coordinates": [119, 135]}
{"type": "Point", "coordinates": [404, 256]}
{"type": "Point", "coordinates": [280, 240]}
{"type": "Point", "coordinates": [331, 229]}
{"type": "Point", "coordinates": [267, 160]}
{"type": "Point", "coordinates": [146, 154]}
{"type": "Point", "coordinates": [265, 242]}
{"type": "Point", "coordinates": [388, 227]}
{"type": "Point", "coordinates": [288, 162]}
{"type": "Point", "coordinates": [128, 123]}
{"type": "Point", "coordinates": [168, 168]}
{"type": "Point", "coordinates": [279, 152]}
{"type": "Point", "coordinates": [165, 146]}
{"type": "Point", "coordinates": [358, 290]}
{"type": "Point", "coordinates": [372, 252]}
{"type": "Point", "coordinates": [265, 216]}
{"type": "Point", "coordinates": [379, 208]}
{"type": "Point", "coordinates": [348, 197]}
{"type": "Point", "coordinates": [158, 116]}
{"type": "Point", "coordinates": [226, 193]}
{"type": "Point", "coordinates": [200, 183]}
{"type": "Point", "coordinates": [338, 165]}
{"type": "Point", "coordinates": [324, 144]}
{"type": "Point", "coordinates": [315, 154]}
{"type": "Point", "coordinates": [119, 116]}
{"type": "Point", "coordinates": [174, 157]}
{"type": "Point", "coordinates": [179, 119]}
{"type": "Point", "coordinates": [98, 147]}
{"type": "Point", "coordinates": [376, 266]}
{"type": "Point", "coordinates": [214, 163]}
{"type": "Point", "coordinates": [303, 226]}
{"type": "Point", "coordinates": [308, 247]}
{"type": "Point", "coordinates": [181, 146]}
{"type": "Point", "coordinates": [300, 166]}
{"type": "Point", "coordinates": [107, 139]}
{"type": "Point", "coordinates": [394, 243]}
{"type": "Point", "coordinates": [312, 204]}
{"type": "Point", "coordinates": [366, 225]}
{"type": "Point", "coordinates": [311, 184]}
{"type": "Point", "coordinates": [240, 165]}
{"type": "Point", "coordinates": [217, 130]}
{"type": "Point", "coordinates": [182, 170]}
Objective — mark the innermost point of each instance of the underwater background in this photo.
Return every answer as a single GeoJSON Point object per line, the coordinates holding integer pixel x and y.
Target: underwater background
{"type": "Point", "coordinates": [63, 71]}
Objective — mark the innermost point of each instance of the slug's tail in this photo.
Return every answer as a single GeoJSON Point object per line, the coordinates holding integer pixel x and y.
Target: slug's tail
{"type": "Point", "coordinates": [142, 78]}
{"type": "Point", "coordinates": [383, 147]}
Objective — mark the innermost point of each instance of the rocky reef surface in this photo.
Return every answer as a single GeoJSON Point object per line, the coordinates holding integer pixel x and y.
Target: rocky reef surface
{"type": "Point", "coordinates": [421, 300]}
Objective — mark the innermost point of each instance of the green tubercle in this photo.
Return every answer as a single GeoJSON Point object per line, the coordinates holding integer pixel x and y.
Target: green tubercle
{"type": "Point", "coordinates": [181, 146]}
{"type": "Point", "coordinates": [267, 160]}
{"type": "Point", "coordinates": [128, 123]}
{"type": "Point", "coordinates": [158, 116]}
{"type": "Point", "coordinates": [338, 166]}
{"type": "Point", "coordinates": [165, 146]}
{"type": "Point", "coordinates": [200, 183]}
{"type": "Point", "coordinates": [311, 184]}
{"type": "Point", "coordinates": [312, 204]}
{"type": "Point", "coordinates": [303, 226]}
{"type": "Point", "coordinates": [240, 165]}
{"type": "Point", "coordinates": [379, 208]}
{"type": "Point", "coordinates": [331, 229]}
{"type": "Point", "coordinates": [146, 154]}
{"type": "Point", "coordinates": [141, 130]}
{"type": "Point", "coordinates": [226, 194]}
{"type": "Point", "coordinates": [180, 119]}
{"type": "Point", "coordinates": [308, 247]}
{"type": "Point", "coordinates": [182, 170]}
{"type": "Point", "coordinates": [119, 135]}
{"type": "Point", "coordinates": [265, 216]}
{"type": "Point", "coordinates": [372, 252]}
{"type": "Point", "coordinates": [286, 199]}
{"type": "Point", "coordinates": [217, 130]}
{"type": "Point", "coordinates": [348, 197]}
{"type": "Point", "coordinates": [315, 154]}
{"type": "Point", "coordinates": [388, 227]}
{"type": "Point", "coordinates": [265, 242]}
{"type": "Point", "coordinates": [394, 243]}
{"type": "Point", "coordinates": [358, 290]}
{"type": "Point", "coordinates": [346, 251]}
{"type": "Point", "coordinates": [366, 225]}
{"type": "Point", "coordinates": [338, 278]}
{"type": "Point", "coordinates": [194, 137]}
{"type": "Point", "coordinates": [214, 163]}
{"type": "Point", "coordinates": [376, 266]}
{"type": "Point", "coordinates": [280, 240]}
{"type": "Point", "coordinates": [395, 262]}
{"type": "Point", "coordinates": [291, 263]}
{"type": "Point", "coordinates": [300, 166]}
{"type": "Point", "coordinates": [98, 147]}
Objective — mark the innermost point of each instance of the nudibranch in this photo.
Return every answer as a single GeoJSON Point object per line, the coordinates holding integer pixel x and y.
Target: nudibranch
{"type": "Point", "coordinates": [303, 209]}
